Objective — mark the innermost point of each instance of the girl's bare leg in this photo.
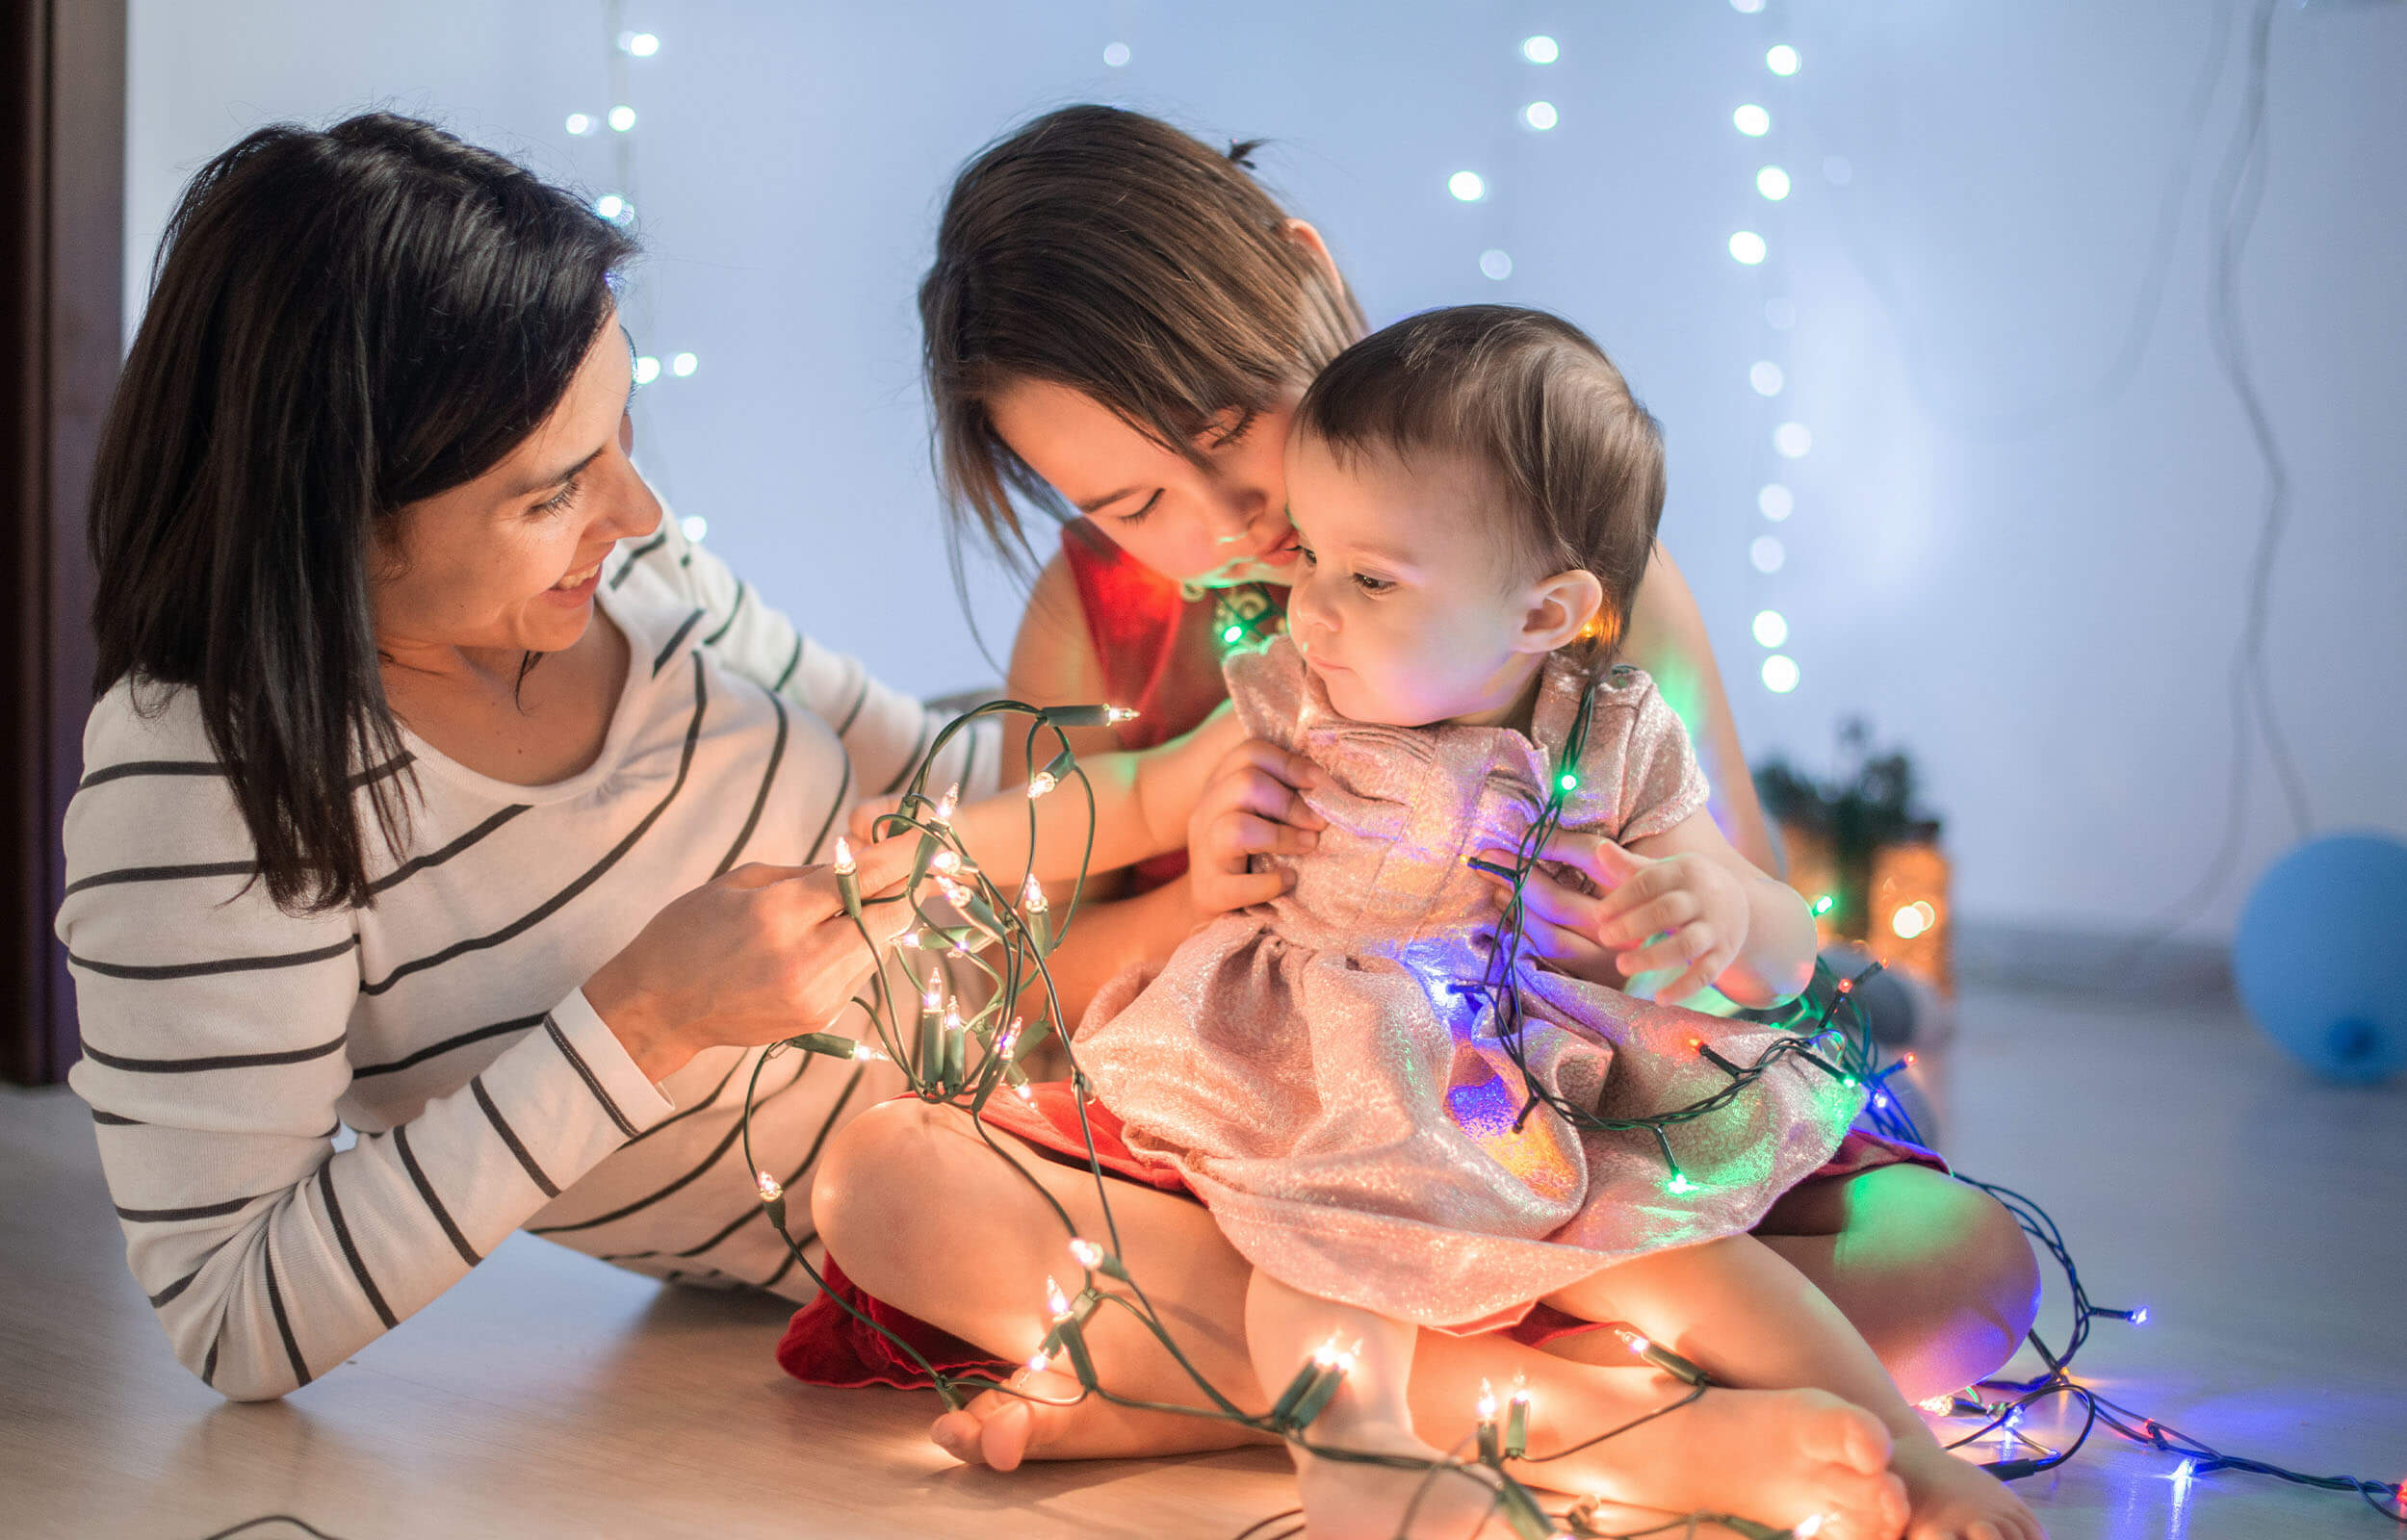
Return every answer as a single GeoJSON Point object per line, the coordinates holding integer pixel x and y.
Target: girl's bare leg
{"type": "Point", "coordinates": [1747, 1316]}
{"type": "Point", "coordinates": [925, 1217]}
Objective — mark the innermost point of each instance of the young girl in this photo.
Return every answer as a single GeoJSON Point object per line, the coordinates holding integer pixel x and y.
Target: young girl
{"type": "Point", "coordinates": [1474, 495]}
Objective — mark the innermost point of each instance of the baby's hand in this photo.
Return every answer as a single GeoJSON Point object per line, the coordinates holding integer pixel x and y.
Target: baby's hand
{"type": "Point", "coordinates": [1249, 807]}
{"type": "Point", "coordinates": [1696, 906]}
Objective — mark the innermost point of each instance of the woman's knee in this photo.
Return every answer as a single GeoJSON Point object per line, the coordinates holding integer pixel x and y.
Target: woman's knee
{"type": "Point", "coordinates": [1995, 1251]}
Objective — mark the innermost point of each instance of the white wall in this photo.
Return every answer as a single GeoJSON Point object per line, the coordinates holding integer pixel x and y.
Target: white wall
{"type": "Point", "coordinates": [2043, 614]}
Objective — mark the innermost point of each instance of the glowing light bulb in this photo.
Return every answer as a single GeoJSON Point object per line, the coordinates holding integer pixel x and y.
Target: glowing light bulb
{"type": "Point", "coordinates": [1771, 627]}
{"type": "Point", "coordinates": [622, 117]}
{"type": "Point", "coordinates": [1037, 1364]}
{"type": "Point", "coordinates": [1086, 1251]}
{"type": "Point", "coordinates": [954, 893]}
{"type": "Point", "coordinates": [1540, 116]}
{"type": "Point", "coordinates": [934, 999]}
{"type": "Point", "coordinates": [1773, 183]}
{"type": "Point", "coordinates": [1486, 1406]}
{"type": "Point", "coordinates": [1824, 904]}
{"type": "Point", "coordinates": [1937, 1405]}
{"type": "Point", "coordinates": [580, 125]}
{"type": "Point", "coordinates": [945, 861]}
{"type": "Point", "coordinates": [1780, 674]}
{"type": "Point", "coordinates": [1467, 186]}
{"type": "Point", "coordinates": [946, 804]}
{"type": "Point", "coordinates": [2140, 1317]}
{"type": "Point", "coordinates": [642, 44]}
{"type": "Point", "coordinates": [683, 364]}
{"type": "Point", "coordinates": [771, 1188]}
{"type": "Point", "coordinates": [647, 369]}
{"type": "Point", "coordinates": [1680, 1183]}
{"type": "Point", "coordinates": [1767, 554]}
{"type": "Point", "coordinates": [1055, 1301]}
{"type": "Point", "coordinates": [1794, 440]}
{"type": "Point", "coordinates": [1807, 1526]}
{"type": "Point", "coordinates": [1032, 896]}
{"type": "Point", "coordinates": [1748, 247]}
{"type": "Point", "coordinates": [1775, 502]}
{"type": "Point", "coordinates": [1907, 1059]}
{"type": "Point", "coordinates": [1766, 376]}
{"type": "Point", "coordinates": [1496, 264]}
{"type": "Point", "coordinates": [695, 528]}
{"type": "Point", "coordinates": [1024, 1095]}
{"type": "Point", "coordinates": [1120, 714]}
{"type": "Point", "coordinates": [1009, 1039]}
{"type": "Point", "coordinates": [864, 1053]}
{"type": "Point", "coordinates": [1780, 58]}
{"type": "Point", "coordinates": [1116, 55]}
{"type": "Point", "coordinates": [610, 206]}
{"type": "Point", "coordinates": [1636, 1342]}
{"type": "Point", "coordinates": [1541, 49]}
{"type": "Point", "coordinates": [2181, 1479]}
{"type": "Point", "coordinates": [843, 863]}
{"type": "Point", "coordinates": [1041, 782]}
{"type": "Point", "coordinates": [1751, 120]}
{"type": "Point", "coordinates": [1568, 782]}
{"type": "Point", "coordinates": [1233, 633]}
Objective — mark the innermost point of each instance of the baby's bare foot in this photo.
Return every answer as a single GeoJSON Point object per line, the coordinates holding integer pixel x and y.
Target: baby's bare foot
{"type": "Point", "coordinates": [996, 1428]}
{"type": "Point", "coordinates": [1955, 1500]}
{"type": "Point", "coordinates": [1776, 1456]}
{"type": "Point", "coordinates": [1357, 1499]}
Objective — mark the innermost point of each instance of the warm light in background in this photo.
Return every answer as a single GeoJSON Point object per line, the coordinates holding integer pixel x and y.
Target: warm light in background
{"type": "Point", "coordinates": [647, 369]}
{"type": "Point", "coordinates": [622, 118]}
{"type": "Point", "coordinates": [1771, 627]}
{"type": "Point", "coordinates": [1779, 674]}
{"type": "Point", "coordinates": [642, 44]}
{"type": "Point", "coordinates": [1541, 49]}
{"type": "Point", "coordinates": [1775, 501]}
{"type": "Point", "coordinates": [1539, 115]}
{"type": "Point", "coordinates": [683, 364]}
{"type": "Point", "coordinates": [1767, 554]}
{"type": "Point", "coordinates": [580, 125]}
{"type": "Point", "coordinates": [1766, 377]}
{"type": "Point", "coordinates": [1747, 247]}
{"type": "Point", "coordinates": [1773, 183]}
{"type": "Point", "coordinates": [1794, 440]}
{"type": "Point", "coordinates": [1752, 120]}
{"type": "Point", "coordinates": [1780, 58]}
{"type": "Point", "coordinates": [1469, 186]}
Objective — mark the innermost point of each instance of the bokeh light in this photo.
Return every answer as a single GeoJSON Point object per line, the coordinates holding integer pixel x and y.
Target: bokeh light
{"type": "Point", "coordinates": [1779, 674]}
{"type": "Point", "coordinates": [1771, 627]}
{"type": "Point", "coordinates": [1751, 120]}
{"type": "Point", "coordinates": [1469, 186]}
{"type": "Point", "coordinates": [1748, 247]}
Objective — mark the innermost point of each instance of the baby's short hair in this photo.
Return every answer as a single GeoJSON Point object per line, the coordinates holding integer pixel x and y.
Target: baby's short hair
{"type": "Point", "coordinates": [1534, 403]}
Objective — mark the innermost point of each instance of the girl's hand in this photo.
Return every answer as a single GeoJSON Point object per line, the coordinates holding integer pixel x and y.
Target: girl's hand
{"type": "Point", "coordinates": [1250, 808]}
{"type": "Point", "coordinates": [1696, 909]}
{"type": "Point", "coordinates": [762, 953]}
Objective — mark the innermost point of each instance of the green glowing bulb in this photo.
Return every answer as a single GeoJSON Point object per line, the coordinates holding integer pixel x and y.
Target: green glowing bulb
{"type": "Point", "coordinates": [1233, 633]}
{"type": "Point", "coordinates": [1824, 904]}
{"type": "Point", "coordinates": [1681, 1184]}
{"type": "Point", "coordinates": [1568, 782]}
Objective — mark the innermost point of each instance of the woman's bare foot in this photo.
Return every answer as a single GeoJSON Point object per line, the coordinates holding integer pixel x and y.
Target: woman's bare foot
{"type": "Point", "coordinates": [1776, 1456]}
{"type": "Point", "coordinates": [1358, 1499]}
{"type": "Point", "coordinates": [1955, 1500]}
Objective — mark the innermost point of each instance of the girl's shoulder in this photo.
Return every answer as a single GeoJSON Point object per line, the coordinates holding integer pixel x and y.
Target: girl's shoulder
{"type": "Point", "coordinates": [1637, 771]}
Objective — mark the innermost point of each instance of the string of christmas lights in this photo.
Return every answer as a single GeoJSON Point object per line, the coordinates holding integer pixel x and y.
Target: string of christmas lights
{"type": "Point", "coordinates": [960, 1053]}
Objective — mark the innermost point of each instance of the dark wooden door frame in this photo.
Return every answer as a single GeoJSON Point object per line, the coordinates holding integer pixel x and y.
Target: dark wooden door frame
{"type": "Point", "coordinates": [61, 324]}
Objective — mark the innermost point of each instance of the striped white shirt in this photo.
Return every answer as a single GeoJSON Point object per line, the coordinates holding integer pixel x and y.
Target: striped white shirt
{"type": "Point", "coordinates": [226, 1044]}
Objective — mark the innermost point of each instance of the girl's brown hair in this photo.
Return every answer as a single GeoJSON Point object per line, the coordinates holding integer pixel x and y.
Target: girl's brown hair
{"type": "Point", "coordinates": [1575, 460]}
{"type": "Point", "coordinates": [1109, 252]}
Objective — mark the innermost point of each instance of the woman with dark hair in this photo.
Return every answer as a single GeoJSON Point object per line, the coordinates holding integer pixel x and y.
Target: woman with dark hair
{"type": "Point", "coordinates": [416, 718]}
{"type": "Point", "coordinates": [1120, 323]}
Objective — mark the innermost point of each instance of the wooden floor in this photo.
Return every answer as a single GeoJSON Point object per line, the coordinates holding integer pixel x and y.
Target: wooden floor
{"type": "Point", "coordinates": [2262, 1217]}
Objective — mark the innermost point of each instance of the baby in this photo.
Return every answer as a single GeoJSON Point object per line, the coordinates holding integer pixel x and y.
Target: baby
{"type": "Point", "coordinates": [1343, 1075]}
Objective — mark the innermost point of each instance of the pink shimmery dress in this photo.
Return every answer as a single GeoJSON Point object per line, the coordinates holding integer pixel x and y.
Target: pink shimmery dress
{"type": "Point", "coordinates": [1306, 1067]}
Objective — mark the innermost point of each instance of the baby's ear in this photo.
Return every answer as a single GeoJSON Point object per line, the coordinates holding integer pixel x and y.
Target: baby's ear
{"type": "Point", "coordinates": [1562, 609]}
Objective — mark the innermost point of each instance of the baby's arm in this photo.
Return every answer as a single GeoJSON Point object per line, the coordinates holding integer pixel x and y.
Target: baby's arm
{"type": "Point", "coordinates": [1143, 801]}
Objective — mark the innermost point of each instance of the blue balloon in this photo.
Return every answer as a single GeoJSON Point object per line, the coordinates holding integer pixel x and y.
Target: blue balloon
{"type": "Point", "coordinates": [2320, 957]}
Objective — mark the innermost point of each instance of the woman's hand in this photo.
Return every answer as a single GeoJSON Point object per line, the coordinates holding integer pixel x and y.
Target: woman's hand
{"type": "Point", "coordinates": [1250, 808]}
{"type": "Point", "coordinates": [762, 953]}
{"type": "Point", "coordinates": [1695, 908]}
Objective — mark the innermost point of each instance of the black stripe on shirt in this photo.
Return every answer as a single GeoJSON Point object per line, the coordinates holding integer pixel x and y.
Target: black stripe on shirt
{"type": "Point", "coordinates": [727, 1142]}
{"type": "Point", "coordinates": [793, 663]}
{"type": "Point", "coordinates": [209, 1365]}
{"type": "Point", "coordinates": [174, 1289]}
{"type": "Point", "coordinates": [206, 1211]}
{"type": "Point", "coordinates": [732, 610]}
{"type": "Point", "coordinates": [635, 555]}
{"type": "Point", "coordinates": [927, 726]}
{"type": "Point", "coordinates": [351, 1252]}
{"type": "Point", "coordinates": [221, 1061]}
{"type": "Point", "coordinates": [754, 1210]}
{"type": "Point", "coordinates": [688, 1112]}
{"type": "Point", "coordinates": [147, 767]}
{"type": "Point", "coordinates": [669, 649]}
{"type": "Point", "coordinates": [276, 1304]}
{"type": "Point", "coordinates": [843, 785]}
{"type": "Point", "coordinates": [433, 1049]}
{"type": "Point", "coordinates": [161, 874]}
{"type": "Point", "coordinates": [509, 1137]}
{"type": "Point", "coordinates": [425, 1189]}
{"type": "Point", "coordinates": [852, 714]}
{"type": "Point", "coordinates": [436, 857]}
{"type": "Point", "coordinates": [591, 875]}
{"type": "Point", "coordinates": [227, 965]}
{"type": "Point", "coordinates": [593, 1082]}
{"type": "Point", "coordinates": [760, 798]}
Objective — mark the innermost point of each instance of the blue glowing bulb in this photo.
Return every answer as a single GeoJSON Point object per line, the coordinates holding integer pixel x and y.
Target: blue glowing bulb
{"type": "Point", "coordinates": [2140, 1317]}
